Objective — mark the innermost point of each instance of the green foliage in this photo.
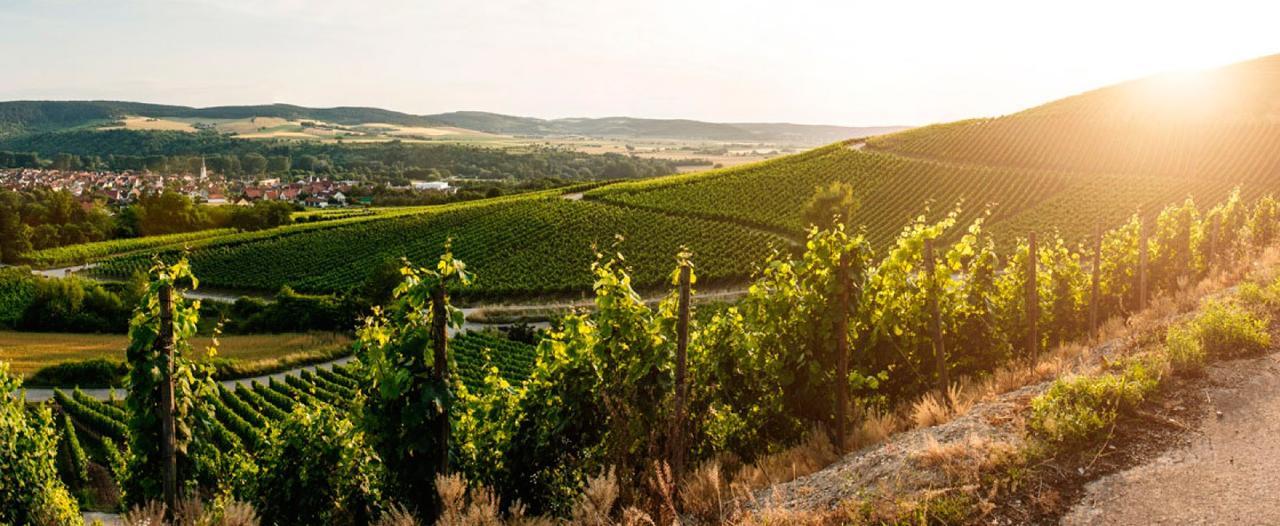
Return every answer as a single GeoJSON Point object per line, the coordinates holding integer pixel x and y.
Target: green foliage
{"type": "Point", "coordinates": [774, 194]}
{"type": "Point", "coordinates": [30, 490]}
{"type": "Point", "coordinates": [77, 461]}
{"type": "Point", "coordinates": [146, 366]}
{"type": "Point", "coordinates": [404, 397]}
{"type": "Point", "coordinates": [85, 252]}
{"type": "Point", "coordinates": [1264, 221]}
{"type": "Point", "coordinates": [93, 416]}
{"type": "Point", "coordinates": [1227, 329]}
{"type": "Point", "coordinates": [530, 245]}
{"type": "Point", "coordinates": [1076, 411]}
{"type": "Point", "coordinates": [1120, 267]}
{"type": "Point", "coordinates": [1182, 345]}
{"type": "Point", "coordinates": [17, 292]}
{"type": "Point", "coordinates": [317, 470]}
{"type": "Point", "coordinates": [1178, 234]}
{"type": "Point", "coordinates": [96, 372]}
{"type": "Point", "coordinates": [830, 204]}
{"type": "Point", "coordinates": [174, 150]}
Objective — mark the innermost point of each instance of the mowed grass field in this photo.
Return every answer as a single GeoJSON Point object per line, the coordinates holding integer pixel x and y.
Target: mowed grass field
{"type": "Point", "coordinates": [28, 352]}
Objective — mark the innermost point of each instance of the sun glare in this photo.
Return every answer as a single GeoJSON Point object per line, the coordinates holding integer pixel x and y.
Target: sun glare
{"type": "Point", "coordinates": [1186, 93]}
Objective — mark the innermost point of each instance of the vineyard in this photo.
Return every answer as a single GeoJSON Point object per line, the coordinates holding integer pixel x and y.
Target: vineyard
{"type": "Point", "coordinates": [527, 246]}
{"type": "Point", "coordinates": [1217, 127]}
{"type": "Point", "coordinates": [238, 418]}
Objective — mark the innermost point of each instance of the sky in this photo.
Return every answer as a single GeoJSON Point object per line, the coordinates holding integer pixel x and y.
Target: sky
{"type": "Point", "coordinates": [854, 62]}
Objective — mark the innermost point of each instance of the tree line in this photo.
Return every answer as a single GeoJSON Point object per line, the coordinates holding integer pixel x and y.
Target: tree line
{"type": "Point", "coordinates": [182, 151]}
{"type": "Point", "coordinates": [40, 218]}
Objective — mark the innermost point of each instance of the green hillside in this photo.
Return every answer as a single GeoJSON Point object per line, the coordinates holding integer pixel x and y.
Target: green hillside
{"type": "Point", "coordinates": [523, 246]}
{"type": "Point", "coordinates": [1219, 124]}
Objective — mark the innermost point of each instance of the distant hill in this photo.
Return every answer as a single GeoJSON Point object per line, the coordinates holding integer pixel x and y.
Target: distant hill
{"type": "Point", "coordinates": [28, 117]}
{"type": "Point", "coordinates": [660, 128]}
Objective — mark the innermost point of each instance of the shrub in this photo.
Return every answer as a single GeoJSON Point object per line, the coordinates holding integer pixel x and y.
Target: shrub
{"type": "Point", "coordinates": [317, 470]}
{"type": "Point", "coordinates": [96, 372]}
{"type": "Point", "coordinates": [1261, 296]}
{"type": "Point", "coordinates": [1183, 347]}
{"type": "Point", "coordinates": [1228, 329]}
{"type": "Point", "coordinates": [1078, 410]}
{"type": "Point", "coordinates": [30, 490]}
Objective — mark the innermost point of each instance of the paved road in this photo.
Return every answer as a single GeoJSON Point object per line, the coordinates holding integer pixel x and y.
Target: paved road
{"type": "Point", "coordinates": [1228, 474]}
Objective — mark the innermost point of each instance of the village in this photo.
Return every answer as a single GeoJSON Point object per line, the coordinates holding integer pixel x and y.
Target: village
{"type": "Point", "coordinates": [118, 188]}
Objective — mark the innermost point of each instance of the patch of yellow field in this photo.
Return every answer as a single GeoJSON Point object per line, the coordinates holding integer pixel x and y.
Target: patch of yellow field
{"type": "Point", "coordinates": [279, 135]}
{"type": "Point", "coordinates": [133, 122]}
{"type": "Point", "coordinates": [251, 125]}
{"type": "Point", "coordinates": [28, 352]}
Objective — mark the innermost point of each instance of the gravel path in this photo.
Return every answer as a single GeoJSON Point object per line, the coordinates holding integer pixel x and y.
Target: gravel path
{"type": "Point", "coordinates": [1226, 475]}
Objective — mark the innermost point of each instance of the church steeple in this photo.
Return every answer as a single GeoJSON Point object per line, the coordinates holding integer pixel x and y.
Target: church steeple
{"type": "Point", "coordinates": [204, 172]}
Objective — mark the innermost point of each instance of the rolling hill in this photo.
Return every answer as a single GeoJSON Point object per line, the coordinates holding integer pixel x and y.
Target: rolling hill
{"type": "Point", "coordinates": [1059, 167]}
{"type": "Point", "coordinates": [31, 117]}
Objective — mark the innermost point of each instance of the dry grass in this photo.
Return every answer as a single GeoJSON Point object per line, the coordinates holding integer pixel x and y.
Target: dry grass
{"type": "Point", "coordinates": [595, 506]}
{"type": "Point", "coordinates": [963, 461]}
{"type": "Point", "coordinates": [932, 410]}
{"type": "Point", "coordinates": [192, 512]}
{"type": "Point", "coordinates": [815, 453]}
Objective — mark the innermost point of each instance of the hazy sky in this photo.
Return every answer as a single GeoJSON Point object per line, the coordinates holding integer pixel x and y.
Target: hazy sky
{"type": "Point", "coordinates": [847, 62]}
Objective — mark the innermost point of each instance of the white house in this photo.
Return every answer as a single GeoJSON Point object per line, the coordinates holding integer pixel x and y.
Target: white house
{"type": "Point", "coordinates": [438, 186]}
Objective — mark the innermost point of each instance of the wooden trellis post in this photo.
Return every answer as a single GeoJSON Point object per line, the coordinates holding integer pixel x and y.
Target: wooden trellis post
{"type": "Point", "coordinates": [440, 370]}
{"type": "Point", "coordinates": [1213, 245]}
{"type": "Point", "coordinates": [842, 351]}
{"type": "Point", "coordinates": [1142, 265]}
{"type": "Point", "coordinates": [682, 386]}
{"type": "Point", "coordinates": [935, 322]}
{"type": "Point", "coordinates": [1094, 299]}
{"type": "Point", "coordinates": [1033, 302]}
{"type": "Point", "coordinates": [168, 439]}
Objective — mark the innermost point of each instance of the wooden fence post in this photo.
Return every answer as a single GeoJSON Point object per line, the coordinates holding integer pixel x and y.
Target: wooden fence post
{"type": "Point", "coordinates": [935, 323]}
{"type": "Point", "coordinates": [168, 440]}
{"type": "Point", "coordinates": [1188, 258]}
{"type": "Point", "coordinates": [1142, 265]}
{"type": "Point", "coordinates": [842, 351]}
{"type": "Point", "coordinates": [1213, 246]}
{"type": "Point", "coordinates": [1095, 288]}
{"type": "Point", "coordinates": [440, 371]}
{"type": "Point", "coordinates": [682, 386]}
{"type": "Point", "coordinates": [1033, 301]}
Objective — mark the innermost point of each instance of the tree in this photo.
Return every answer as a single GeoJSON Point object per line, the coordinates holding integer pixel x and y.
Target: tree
{"type": "Point", "coordinates": [278, 164]}
{"type": "Point", "coordinates": [168, 213]}
{"type": "Point", "coordinates": [830, 204]}
{"type": "Point", "coordinates": [253, 163]}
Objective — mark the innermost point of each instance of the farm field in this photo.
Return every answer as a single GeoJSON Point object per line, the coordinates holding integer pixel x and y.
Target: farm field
{"type": "Point", "coordinates": [28, 352]}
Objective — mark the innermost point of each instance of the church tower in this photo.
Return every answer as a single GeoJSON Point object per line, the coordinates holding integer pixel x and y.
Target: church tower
{"type": "Point", "coordinates": [204, 172]}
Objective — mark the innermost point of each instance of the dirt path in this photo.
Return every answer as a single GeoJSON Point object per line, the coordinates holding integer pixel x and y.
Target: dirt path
{"type": "Point", "coordinates": [1227, 474]}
